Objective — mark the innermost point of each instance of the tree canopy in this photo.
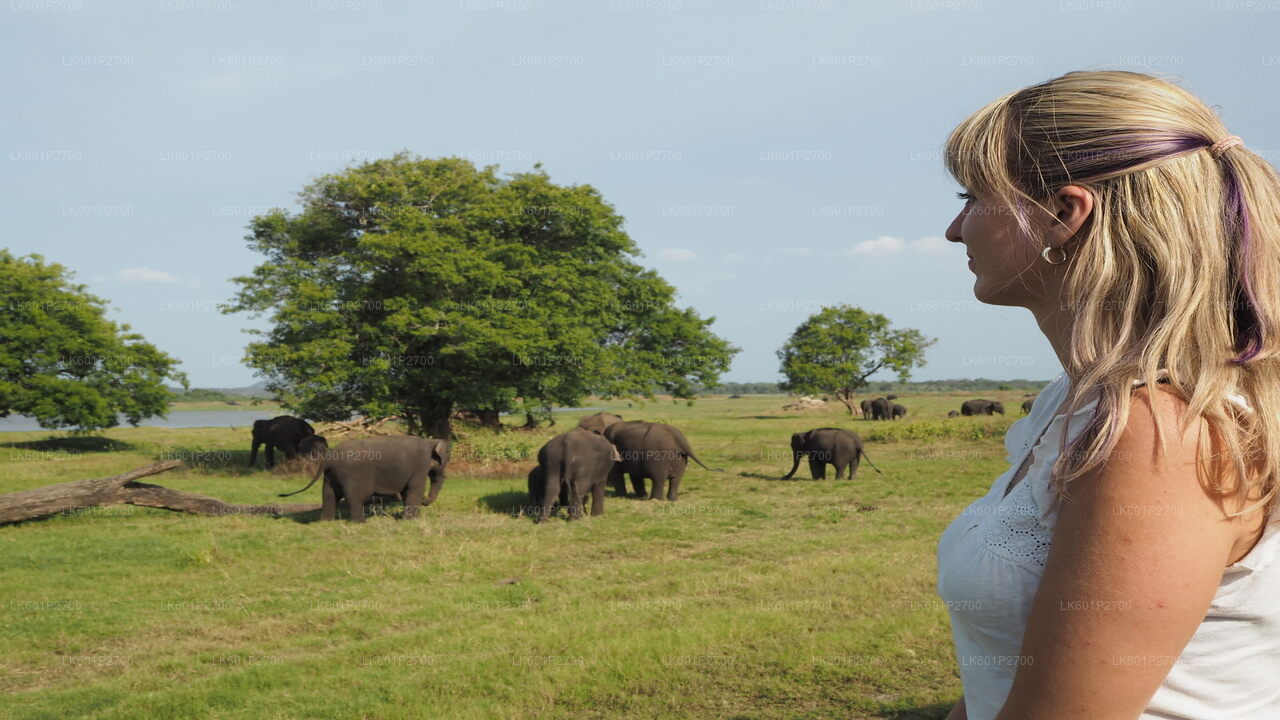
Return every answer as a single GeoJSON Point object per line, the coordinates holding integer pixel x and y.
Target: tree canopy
{"type": "Point", "coordinates": [63, 362]}
{"type": "Point", "coordinates": [836, 350]}
{"type": "Point", "coordinates": [415, 286]}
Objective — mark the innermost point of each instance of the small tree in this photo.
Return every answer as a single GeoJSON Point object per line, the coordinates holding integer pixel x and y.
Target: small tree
{"type": "Point", "coordinates": [63, 362]}
{"type": "Point", "coordinates": [837, 349]}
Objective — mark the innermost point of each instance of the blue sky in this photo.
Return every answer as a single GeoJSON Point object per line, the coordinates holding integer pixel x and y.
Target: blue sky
{"type": "Point", "coordinates": [770, 157]}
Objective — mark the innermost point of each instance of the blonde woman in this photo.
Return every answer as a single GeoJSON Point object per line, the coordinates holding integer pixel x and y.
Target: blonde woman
{"type": "Point", "coordinates": [1127, 565]}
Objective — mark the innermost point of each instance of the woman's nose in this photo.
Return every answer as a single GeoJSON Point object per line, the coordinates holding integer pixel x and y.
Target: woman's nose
{"type": "Point", "coordinates": [953, 230]}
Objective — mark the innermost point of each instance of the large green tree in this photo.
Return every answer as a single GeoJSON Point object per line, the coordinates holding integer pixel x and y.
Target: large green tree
{"type": "Point", "coordinates": [837, 349]}
{"type": "Point", "coordinates": [63, 362]}
{"type": "Point", "coordinates": [417, 286]}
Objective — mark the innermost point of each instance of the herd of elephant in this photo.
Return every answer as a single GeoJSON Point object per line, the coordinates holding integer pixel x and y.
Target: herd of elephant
{"type": "Point", "coordinates": [602, 451]}
{"type": "Point", "coordinates": [882, 409]}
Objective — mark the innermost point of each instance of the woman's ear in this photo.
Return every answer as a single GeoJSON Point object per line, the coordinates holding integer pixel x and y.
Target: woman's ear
{"type": "Point", "coordinates": [1072, 206]}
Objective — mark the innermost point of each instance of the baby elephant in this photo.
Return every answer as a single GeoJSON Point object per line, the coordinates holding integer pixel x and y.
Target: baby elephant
{"type": "Point", "coordinates": [828, 446]}
{"type": "Point", "coordinates": [571, 465]}
{"type": "Point", "coordinates": [899, 411]}
{"type": "Point", "coordinates": [381, 465]}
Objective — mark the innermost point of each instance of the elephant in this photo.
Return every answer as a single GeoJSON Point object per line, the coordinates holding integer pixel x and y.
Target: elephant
{"type": "Point", "coordinates": [890, 397]}
{"type": "Point", "coordinates": [1026, 405]}
{"type": "Point", "coordinates": [598, 422]}
{"type": "Point", "coordinates": [283, 432]}
{"type": "Point", "coordinates": [655, 451]}
{"type": "Point", "coordinates": [981, 407]}
{"type": "Point", "coordinates": [570, 465]}
{"type": "Point", "coordinates": [865, 405]}
{"type": "Point", "coordinates": [898, 411]}
{"type": "Point", "coordinates": [880, 409]}
{"type": "Point", "coordinates": [953, 413]}
{"type": "Point", "coordinates": [312, 446]}
{"type": "Point", "coordinates": [381, 465]}
{"type": "Point", "coordinates": [828, 446]}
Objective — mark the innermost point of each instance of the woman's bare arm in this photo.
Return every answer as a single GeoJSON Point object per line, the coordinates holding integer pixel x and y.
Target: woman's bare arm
{"type": "Point", "coordinates": [1136, 558]}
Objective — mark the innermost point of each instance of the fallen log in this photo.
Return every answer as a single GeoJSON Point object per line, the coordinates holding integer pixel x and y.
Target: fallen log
{"type": "Point", "coordinates": [77, 494]}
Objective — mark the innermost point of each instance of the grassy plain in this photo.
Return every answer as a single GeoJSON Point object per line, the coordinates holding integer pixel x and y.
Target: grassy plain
{"type": "Point", "coordinates": [750, 597]}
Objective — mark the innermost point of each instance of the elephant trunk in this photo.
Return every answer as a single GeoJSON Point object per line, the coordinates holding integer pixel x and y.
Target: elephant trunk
{"type": "Point", "coordinates": [794, 466]}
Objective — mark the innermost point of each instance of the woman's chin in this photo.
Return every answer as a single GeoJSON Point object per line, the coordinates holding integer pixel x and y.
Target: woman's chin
{"type": "Point", "coordinates": [998, 294]}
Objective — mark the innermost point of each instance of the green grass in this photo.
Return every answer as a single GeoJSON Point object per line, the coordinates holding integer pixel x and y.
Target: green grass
{"type": "Point", "coordinates": [750, 597]}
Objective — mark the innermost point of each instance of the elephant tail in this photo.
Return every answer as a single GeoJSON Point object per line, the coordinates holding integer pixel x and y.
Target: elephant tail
{"type": "Point", "coordinates": [864, 457]}
{"type": "Point", "coordinates": [314, 478]}
{"type": "Point", "coordinates": [695, 459]}
{"type": "Point", "coordinates": [683, 442]}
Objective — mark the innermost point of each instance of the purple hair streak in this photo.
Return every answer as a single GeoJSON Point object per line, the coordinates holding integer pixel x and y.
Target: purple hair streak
{"type": "Point", "coordinates": [1131, 151]}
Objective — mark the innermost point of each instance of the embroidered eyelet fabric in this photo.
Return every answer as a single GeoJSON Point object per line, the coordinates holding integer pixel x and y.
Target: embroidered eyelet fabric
{"type": "Point", "coordinates": [991, 557]}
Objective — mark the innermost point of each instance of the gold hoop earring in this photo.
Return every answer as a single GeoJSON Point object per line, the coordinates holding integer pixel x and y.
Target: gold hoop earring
{"type": "Point", "coordinates": [1045, 254]}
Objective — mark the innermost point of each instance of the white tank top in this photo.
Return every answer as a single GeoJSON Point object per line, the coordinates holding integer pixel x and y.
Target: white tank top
{"type": "Point", "coordinates": [991, 557]}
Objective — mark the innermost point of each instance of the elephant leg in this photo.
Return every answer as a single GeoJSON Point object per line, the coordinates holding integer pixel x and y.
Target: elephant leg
{"type": "Point", "coordinates": [659, 484]}
{"type": "Point", "coordinates": [550, 495]}
{"type": "Point", "coordinates": [617, 481]}
{"type": "Point", "coordinates": [673, 492]}
{"type": "Point", "coordinates": [253, 454]}
{"type": "Point", "coordinates": [840, 465]}
{"type": "Point", "coordinates": [355, 504]}
{"type": "Point", "coordinates": [271, 455]}
{"type": "Point", "coordinates": [637, 483]}
{"type": "Point", "coordinates": [574, 500]}
{"type": "Point", "coordinates": [329, 510]}
{"type": "Point", "coordinates": [597, 499]}
{"type": "Point", "coordinates": [817, 467]}
{"type": "Point", "coordinates": [853, 465]}
{"type": "Point", "coordinates": [413, 497]}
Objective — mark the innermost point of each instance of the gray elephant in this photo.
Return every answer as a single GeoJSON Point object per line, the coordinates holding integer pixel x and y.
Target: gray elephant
{"type": "Point", "coordinates": [898, 411]}
{"type": "Point", "coordinates": [881, 409]}
{"type": "Point", "coordinates": [312, 446]}
{"type": "Point", "coordinates": [839, 448]}
{"type": "Point", "coordinates": [1026, 405]}
{"type": "Point", "coordinates": [865, 406]}
{"type": "Point", "coordinates": [571, 465]}
{"type": "Point", "coordinates": [283, 432]}
{"type": "Point", "coordinates": [381, 465]}
{"type": "Point", "coordinates": [598, 422]}
{"type": "Point", "coordinates": [653, 451]}
{"type": "Point", "coordinates": [953, 413]}
{"type": "Point", "coordinates": [981, 407]}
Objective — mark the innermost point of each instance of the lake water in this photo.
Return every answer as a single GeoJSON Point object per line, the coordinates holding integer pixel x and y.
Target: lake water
{"type": "Point", "coordinates": [189, 419]}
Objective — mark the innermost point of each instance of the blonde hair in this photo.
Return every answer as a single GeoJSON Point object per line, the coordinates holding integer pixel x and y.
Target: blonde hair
{"type": "Point", "coordinates": [1167, 270]}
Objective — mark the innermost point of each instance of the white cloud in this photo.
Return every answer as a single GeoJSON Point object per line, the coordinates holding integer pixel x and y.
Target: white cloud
{"type": "Point", "coordinates": [885, 245]}
{"type": "Point", "coordinates": [147, 276]}
{"type": "Point", "coordinates": [678, 254]}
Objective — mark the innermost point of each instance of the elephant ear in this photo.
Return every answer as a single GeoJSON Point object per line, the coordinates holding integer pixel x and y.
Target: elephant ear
{"type": "Point", "coordinates": [441, 452]}
{"type": "Point", "coordinates": [613, 452]}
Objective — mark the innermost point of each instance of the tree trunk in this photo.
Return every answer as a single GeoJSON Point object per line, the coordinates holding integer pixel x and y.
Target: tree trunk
{"type": "Point", "coordinates": [433, 420]}
{"type": "Point", "coordinates": [490, 419]}
{"type": "Point", "coordinates": [846, 397]}
{"type": "Point", "coordinates": [68, 496]}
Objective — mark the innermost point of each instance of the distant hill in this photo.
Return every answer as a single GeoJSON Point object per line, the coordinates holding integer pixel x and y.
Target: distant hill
{"type": "Point", "coordinates": [251, 392]}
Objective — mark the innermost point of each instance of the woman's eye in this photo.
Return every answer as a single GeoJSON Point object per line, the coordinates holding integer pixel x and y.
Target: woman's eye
{"type": "Point", "coordinates": [964, 196]}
